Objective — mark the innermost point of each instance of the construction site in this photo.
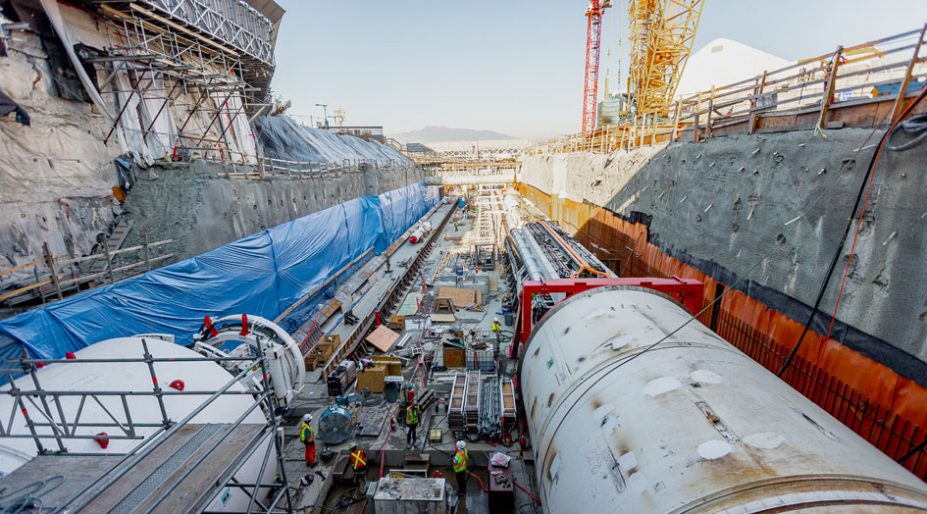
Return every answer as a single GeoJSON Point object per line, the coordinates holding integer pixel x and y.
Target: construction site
{"type": "Point", "coordinates": [707, 300]}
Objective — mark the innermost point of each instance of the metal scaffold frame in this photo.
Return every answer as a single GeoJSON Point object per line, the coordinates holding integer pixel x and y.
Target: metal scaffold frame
{"type": "Point", "coordinates": [49, 414]}
{"type": "Point", "coordinates": [166, 62]}
{"type": "Point", "coordinates": [234, 22]}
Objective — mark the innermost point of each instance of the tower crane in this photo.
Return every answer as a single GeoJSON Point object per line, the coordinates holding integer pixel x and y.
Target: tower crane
{"type": "Point", "coordinates": [661, 34]}
{"type": "Point", "coordinates": [593, 48]}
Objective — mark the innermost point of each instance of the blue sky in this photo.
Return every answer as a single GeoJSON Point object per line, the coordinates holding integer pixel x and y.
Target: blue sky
{"type": "Point", "coordinates": [515, 66]}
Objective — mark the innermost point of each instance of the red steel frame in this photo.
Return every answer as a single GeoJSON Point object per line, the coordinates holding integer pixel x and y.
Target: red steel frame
{"type": "Point", "coordinates": [687, 291]}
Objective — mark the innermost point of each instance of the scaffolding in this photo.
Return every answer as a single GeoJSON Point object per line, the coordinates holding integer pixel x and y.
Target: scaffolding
{"type": "Point", "coordinates": [662, 33]}
{"type": "Point", "coordinates": [52, 429]}
{"type": "Point", "coordinates": [213, 88]}
{"type": "Point", "coordinates": [233, 22]}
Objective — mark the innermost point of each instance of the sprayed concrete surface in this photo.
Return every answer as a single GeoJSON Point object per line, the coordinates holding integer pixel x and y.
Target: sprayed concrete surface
{"type": "Point", "coordinates": [57, 175]}
{"type": "Point", "coordinates": [200, 210]}
{"type": "Point", "coordinates": [733, 201]}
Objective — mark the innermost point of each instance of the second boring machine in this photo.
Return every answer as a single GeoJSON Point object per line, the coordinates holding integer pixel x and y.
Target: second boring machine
{"type": "Point", "coordinates": [633, 406]}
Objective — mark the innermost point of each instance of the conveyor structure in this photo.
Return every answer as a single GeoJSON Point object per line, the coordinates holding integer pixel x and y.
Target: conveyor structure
{"type": "Point", "coordinates": [546, 252]}
{"type": "Point", "coordinates": [539, 252]}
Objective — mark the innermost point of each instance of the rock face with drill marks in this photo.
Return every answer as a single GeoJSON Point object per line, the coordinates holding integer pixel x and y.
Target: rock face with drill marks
{"type": "Point", "coordinates": [771, 208]}
{"type": "Point", "coordinates": [202, 211]}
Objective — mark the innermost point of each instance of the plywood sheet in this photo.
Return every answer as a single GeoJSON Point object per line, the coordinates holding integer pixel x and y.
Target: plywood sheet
{"type": "Point", "coordinates": [382, 338]}
{"type": "Point", "coordinates": [443, 318]}
{"type": "Point", "coordinates": [460, 296]}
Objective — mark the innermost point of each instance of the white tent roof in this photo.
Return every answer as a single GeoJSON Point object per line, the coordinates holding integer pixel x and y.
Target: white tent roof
{"type": "Point", "coordinates": [724, 61]}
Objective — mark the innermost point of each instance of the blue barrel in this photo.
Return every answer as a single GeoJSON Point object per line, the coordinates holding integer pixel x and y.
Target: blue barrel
{"type": "Point", "coordinates": [508, 316]}
{"type": "Point", "coordinates": [335, 426]}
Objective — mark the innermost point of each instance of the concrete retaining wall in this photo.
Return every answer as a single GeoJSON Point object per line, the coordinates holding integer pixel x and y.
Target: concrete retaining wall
{"type": "Point", "coordinates": [201, 211]}
{"type": "Point", "coordinates": [734, 201]}
{"type": "Point", "coordinates": [57, 174]}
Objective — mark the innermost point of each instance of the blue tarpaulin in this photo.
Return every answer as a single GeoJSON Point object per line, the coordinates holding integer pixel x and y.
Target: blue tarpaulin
{"type": "Point", "coordinates": [262, 274]}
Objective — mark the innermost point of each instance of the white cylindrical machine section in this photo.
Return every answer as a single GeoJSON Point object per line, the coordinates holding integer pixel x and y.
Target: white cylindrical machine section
{"type": "Point", "coordinates": [284, 358]}
{"type": "Point", "coordinates": [420, 232]}
{"type": "Point", "coordinates": [99, 413]}
{"type": "Point", "coordinates": [529, 258]}
{"type": "Point", "coordinates": [691, 425]}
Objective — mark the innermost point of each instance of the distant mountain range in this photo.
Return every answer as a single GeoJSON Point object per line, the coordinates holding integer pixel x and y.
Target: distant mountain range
{"type": "Point", "coordinates": [445, 134]}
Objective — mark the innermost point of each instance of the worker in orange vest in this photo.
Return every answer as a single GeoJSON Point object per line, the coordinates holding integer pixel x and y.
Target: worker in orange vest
{"type": "Point", "coordinates": [411, 422]}
{"type": "Point", "coordinates": [358, 460]}
{"type": "Point", "coordinates": [307, 437]}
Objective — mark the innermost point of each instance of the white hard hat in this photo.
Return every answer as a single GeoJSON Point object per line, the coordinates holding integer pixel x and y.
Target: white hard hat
{"type": "Point", "coordinates": [307, 418]}
{"type": "Point", "coordinates": [461, 445]}
{"type": "Point", "coordinates": [496, 319]}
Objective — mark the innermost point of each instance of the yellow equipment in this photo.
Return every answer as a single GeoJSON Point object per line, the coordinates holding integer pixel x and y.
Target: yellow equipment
{"type": "Point", "coordinates": [661, 34]}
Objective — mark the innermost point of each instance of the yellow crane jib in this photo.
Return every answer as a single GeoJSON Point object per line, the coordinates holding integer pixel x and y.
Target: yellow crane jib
{"type": "Point", "coordinates": [662, 33]}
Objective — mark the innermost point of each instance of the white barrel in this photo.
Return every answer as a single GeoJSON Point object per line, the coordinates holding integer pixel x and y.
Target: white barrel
{"type": "Point", "coordinates": [692, 425]}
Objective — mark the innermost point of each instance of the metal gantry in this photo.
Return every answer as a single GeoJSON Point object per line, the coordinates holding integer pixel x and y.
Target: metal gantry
{"type": "Point", "coordinates": [232, 21]}
{"type": "Point", "coordinates": [51, 426]}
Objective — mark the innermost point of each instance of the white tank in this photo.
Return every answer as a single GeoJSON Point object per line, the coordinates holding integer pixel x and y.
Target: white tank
{"type": "Point", "coordinates": [134, 376]}
{"type": "Point", "coordinates": [692, 425]}
{"type": "Point", "coordinates": [422, 230]}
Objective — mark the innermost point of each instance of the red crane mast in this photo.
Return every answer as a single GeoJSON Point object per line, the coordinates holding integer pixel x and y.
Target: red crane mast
{"type": "Point", "coordinates": [593, 49]}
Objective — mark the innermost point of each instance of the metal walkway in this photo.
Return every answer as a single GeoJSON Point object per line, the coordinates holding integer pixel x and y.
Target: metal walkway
{"type": "Point", "coordinates": [178, 476]}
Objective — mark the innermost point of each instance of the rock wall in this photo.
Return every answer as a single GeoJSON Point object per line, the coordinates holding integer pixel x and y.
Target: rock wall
{"type": "Point", "coordinates": [771, 209]}
{"type": "Point", "coordinates": [201, 210]}
{"type": "Point", "coordinates": [57, 176]}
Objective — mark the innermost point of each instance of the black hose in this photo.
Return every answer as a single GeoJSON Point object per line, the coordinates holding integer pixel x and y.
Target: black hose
{"type": "Point", "coordinates": [843, 239]}
{"type": "Point", "coordinates": [915, 126]}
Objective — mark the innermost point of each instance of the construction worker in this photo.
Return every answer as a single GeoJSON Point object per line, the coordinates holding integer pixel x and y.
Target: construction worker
{"type": "Point", "coordinates": [307, 437]}
{"type": "Point", "coordinates": [461, 462]}
{"type": "Point", "coordinates": [358, 460]}
{"type": "Point", "coordinates": [411, 422]}
{"type": "Point", "coordinates": [496, 327]}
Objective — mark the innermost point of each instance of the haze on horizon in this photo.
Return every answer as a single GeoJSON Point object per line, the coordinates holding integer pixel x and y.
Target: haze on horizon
{"type": "Point", "coordinates": [515, 67]}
